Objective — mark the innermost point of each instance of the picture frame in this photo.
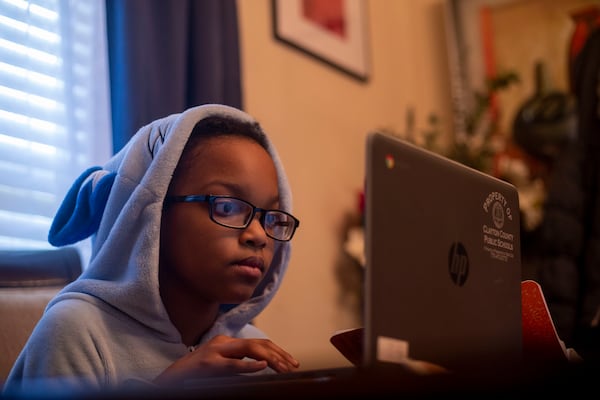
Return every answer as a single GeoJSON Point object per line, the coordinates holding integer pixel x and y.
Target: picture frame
{"type": "Point", "coordinates": [331, 31]}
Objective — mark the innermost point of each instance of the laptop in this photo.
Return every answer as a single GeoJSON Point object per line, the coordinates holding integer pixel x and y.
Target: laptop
{"type": "Point", "coordinates": [443, 270]}
{"type": "Point", "coordinates": [443, 275]}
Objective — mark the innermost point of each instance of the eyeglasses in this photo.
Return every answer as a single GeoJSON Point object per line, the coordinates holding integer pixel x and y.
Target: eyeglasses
{"type": "Point", "coordinates": [232, 212]}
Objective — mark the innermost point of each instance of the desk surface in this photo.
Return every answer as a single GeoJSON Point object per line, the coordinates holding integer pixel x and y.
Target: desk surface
{"type": "Point", "coordinates": [572, 381]}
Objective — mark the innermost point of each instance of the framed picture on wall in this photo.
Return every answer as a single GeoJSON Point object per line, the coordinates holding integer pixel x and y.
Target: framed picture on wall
{"type": "Point", "coordinates": [332, 31]}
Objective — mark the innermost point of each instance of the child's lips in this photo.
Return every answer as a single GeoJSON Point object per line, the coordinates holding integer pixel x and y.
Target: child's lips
{"type": "Point", "coordinates": [252, 267]}
{"type": "Point", "coordinates": [252, 262]}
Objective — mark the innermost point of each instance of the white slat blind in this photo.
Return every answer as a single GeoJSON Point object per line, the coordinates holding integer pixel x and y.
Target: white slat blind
{"type": "Point", "coordinates": [54, 109]}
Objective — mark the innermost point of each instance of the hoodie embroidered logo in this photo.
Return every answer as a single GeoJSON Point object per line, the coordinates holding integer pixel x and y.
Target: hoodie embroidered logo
{"type": "Point", "coordinates": [155, 139]}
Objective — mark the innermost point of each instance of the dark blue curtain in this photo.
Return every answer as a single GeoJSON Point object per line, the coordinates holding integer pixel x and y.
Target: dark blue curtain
{"type": "Point", "coordinates": [166, 56]}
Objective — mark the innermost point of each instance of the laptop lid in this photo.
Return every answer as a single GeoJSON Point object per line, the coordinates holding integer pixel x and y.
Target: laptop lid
{"type": "Point", "coordinates": [443, 273]}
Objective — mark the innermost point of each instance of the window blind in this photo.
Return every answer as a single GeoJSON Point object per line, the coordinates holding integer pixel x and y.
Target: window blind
{"type": "Point", "coordinates": [54, 109]}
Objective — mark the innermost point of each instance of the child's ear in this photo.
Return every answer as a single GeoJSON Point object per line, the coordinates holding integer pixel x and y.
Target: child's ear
{"type": "Point", "coordinates": [80, 213]}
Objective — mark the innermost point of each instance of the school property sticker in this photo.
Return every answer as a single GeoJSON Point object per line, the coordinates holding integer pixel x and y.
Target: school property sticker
{"type": "Point", "coordinates": [498, 241]}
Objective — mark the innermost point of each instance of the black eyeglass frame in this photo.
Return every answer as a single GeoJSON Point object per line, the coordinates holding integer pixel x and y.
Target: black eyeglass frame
{"type": "Point", "coordinates": [210, 198]}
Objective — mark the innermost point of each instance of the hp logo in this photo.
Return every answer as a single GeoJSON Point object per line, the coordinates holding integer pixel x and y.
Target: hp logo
{"type": "Point", "coordinates": [458, 263]}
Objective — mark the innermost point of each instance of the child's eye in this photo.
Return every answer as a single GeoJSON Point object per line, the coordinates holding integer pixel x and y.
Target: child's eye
{"type": "Point", "coordinates": [228, 207]}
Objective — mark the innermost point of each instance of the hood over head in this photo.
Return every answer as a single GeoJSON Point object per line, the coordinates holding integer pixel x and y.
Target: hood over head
{"type": "Point", "coordinates": [120, 206]}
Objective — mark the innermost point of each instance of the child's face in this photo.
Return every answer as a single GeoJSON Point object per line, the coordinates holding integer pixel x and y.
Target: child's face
{"type": "Point", "coordinates": [200, 259]}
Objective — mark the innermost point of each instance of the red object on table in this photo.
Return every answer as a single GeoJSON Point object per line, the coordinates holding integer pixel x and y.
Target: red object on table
{"type": "Point", "coordinates": [541, 344]}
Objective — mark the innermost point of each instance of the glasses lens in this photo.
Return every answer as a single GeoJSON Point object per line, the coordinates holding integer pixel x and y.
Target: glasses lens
{"type": "Point", "coordinates": [231, 212]}
{"type": "Point", "coordinates": [279, 225]}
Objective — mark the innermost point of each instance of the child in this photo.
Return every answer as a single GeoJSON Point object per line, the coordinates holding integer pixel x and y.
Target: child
{"type": "Point", "coordinates": [190, 226]}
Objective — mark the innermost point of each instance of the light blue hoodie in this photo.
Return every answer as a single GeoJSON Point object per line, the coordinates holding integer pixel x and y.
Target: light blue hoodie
{"type": "Point", "coordinates": [110, 325]}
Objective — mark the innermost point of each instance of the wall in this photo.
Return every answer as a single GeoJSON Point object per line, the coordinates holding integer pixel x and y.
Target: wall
{"type": "Point", "coordinates": [318, 119]}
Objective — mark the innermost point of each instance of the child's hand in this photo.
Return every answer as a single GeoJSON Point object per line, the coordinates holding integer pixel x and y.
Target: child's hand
{"type": "Point", "coordinates": [223, 355]}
